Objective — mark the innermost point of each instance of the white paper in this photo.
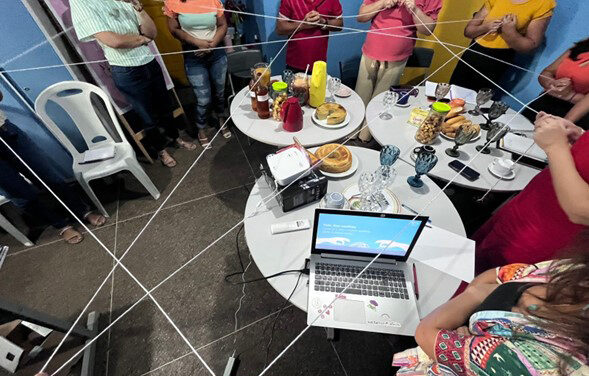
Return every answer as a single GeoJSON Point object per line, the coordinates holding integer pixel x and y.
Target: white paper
{"type": "Point", "coordinates": [99, 154]}
{"type": "Point", "coordinates": [41, 330]}
{"type": "Point", "coordinates": [519, 145]}
{"type": "Point", "coordinates": [470, 96]}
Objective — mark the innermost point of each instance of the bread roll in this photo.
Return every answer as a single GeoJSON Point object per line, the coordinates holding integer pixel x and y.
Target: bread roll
{"type": "Point", "coordinates": [455, 111]}
{"type": "Point", "coordinates": [455, 120]}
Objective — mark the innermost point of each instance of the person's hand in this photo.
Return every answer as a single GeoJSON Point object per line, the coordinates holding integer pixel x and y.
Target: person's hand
{"type": "Point", "coordinates": [509, 21]}
{"type": "Point", "coordinates": [203, 48]}
{"type": "Point", "coordinates": [387, 4]}
{"type": "Point", "coordinates": [409, 4]}
{"type": "Point", "coordinates": [136, 4]}
{"type": "Point", "coordinates": [550, 132]}
{"type": "Point", "coordinates": [574, 132]}
{"type": "Point", "coordinates": [463, 331]}
{"type": "Point", "coordinates": [493, 26]}
{"type": "Point", "coordinates": [562, 89]}
{"type": "Point", "coordinates": [312, 17]}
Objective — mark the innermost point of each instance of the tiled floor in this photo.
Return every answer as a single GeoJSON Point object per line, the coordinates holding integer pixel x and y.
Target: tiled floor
{"type": "Point", "coordinates": [59, 279]}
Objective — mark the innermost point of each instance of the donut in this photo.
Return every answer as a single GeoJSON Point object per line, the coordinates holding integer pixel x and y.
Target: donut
{"type": "Point", "coordinates": [336, 158]}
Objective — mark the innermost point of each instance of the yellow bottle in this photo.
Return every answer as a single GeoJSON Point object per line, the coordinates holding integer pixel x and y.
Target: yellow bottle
{"type": "Point", "coordinates": [318, 84]}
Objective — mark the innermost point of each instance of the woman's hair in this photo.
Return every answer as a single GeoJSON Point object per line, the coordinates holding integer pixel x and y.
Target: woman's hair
{"type": "Point", "coordinates": [579, 48]}
{"type": "Point", "coordinates": [566, 306]}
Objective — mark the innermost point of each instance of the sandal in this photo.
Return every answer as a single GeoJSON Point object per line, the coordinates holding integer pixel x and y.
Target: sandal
{"type": "Point", "coordinates": [224, 129]}
{"type": "Point", "coordinates": [188, 145]}
{"type": "Point", "coordinates": [71, 235]}
{"type": "Point", "coordinates": [203, 139]}
{"type": "Point", "coordinates": [95, 219]}
{"type": "Point", "coordinates": [167, 159]}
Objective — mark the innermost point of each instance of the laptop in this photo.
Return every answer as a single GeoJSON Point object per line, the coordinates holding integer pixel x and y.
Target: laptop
{"type": "Point", "coordinates": [382, 299]}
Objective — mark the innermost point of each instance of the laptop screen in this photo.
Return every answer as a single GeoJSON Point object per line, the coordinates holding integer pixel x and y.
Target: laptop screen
{"type": "Point", "coordinates": [366, 234]}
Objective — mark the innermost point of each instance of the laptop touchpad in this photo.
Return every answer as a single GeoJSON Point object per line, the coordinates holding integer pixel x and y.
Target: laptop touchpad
{"type": "Point", "coordinates": [351, 311]}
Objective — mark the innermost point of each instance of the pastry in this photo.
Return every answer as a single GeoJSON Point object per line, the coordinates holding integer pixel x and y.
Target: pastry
{"type": "Point", "coordinates": [336, 158]}
{"type": "Point", "coordinates": [455, 111]}
{"type": "Point", "coordinates": [333, 113]}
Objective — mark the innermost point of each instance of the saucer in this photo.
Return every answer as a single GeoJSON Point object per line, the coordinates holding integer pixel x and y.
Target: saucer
{"type": "Point", "coordinates": [511, 176]}
{"type": "Point", "coordinates": [344, 92]}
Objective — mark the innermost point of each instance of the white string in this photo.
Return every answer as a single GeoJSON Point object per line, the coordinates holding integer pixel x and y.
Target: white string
{"type": "Point", "coordinates": [263, 202]}
{"type": "Point", "coordinates": [141, 233]}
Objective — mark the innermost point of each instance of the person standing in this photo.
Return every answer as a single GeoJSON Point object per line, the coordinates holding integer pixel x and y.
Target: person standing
{"type": "Point", "coordinates": [123, 29]}
{"type": "Point", "coordinates": [201, 25]}
{"type": "Point", "coordinates": [388, 47]}
{"type": "Point", "coordinates": [552, 211]}
{"type": "Point", "coordinates": [566, 82]}
{"type": "Point", "coordinates": [500, 29]}
{"type": "Point", "coordinates": [320, 17]}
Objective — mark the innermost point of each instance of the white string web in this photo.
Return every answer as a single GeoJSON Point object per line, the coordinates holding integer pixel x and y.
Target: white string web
{"type": "Point", "coordinates": [263, 202]}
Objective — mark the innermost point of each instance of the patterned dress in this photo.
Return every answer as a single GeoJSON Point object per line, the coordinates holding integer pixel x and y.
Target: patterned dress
{"type": "Point", "coordinates": [502, 343]}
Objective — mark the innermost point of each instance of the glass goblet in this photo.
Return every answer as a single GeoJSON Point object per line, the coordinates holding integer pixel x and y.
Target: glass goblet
{"type": "Point", "coordinates": [366, 184]}
{"type": "Point", "coordinates": [333, 85]}
{"type": "Point", "coordinates": [423, 164]}
{"type": "Point", "coordinates": [497, 110]}
{"type": "Point", "coordinates": [442, 89]}
{"type": "Point", "coordinates": [388, 101]}
{"type": "Point", "coordinates": [463, 135]}
{"type": "Point", "coordinates": [496, 133]}
{"type": "Point", "coordinates": [483, 96]}
{"type": "Point", "coordinates": [287, 77]}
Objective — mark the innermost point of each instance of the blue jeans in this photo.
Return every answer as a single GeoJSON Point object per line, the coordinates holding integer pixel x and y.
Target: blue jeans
{"type": "Point", "coordinates": [207, 75]}
{"type": "Point", "coordinates": [145, 89]}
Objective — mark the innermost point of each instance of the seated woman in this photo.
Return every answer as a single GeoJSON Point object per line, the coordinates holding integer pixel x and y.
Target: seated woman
{"type": "Point", "coordinates": [500, 29]}
{"type": "Point", "coordinates": [567, 83]}
{"type": "Point", "coordinates": [383, 56]}
{"type": "Point", "coordinates": [553, 209]}
{"type": "Point", "coordinates": [201, 25]}
{"type": "Point", "coordinates": [26, 195]}
{"type": "Point", "coordinates": [516, 320]}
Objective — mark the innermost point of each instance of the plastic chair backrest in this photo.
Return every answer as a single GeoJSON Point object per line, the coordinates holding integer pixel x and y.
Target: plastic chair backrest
{"type": "Point", "coordinates": [421, 58]}
{"type": "Point", "coordinates": [76, 99]}
{"type": "Point", "coordinates": [240, 61]}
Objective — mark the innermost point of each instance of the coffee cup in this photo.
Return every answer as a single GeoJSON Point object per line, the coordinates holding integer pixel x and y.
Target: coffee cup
{"type": "Point", "coordinates": [503, 167]}
{"type": "Point", "coordinates": [404, 92]}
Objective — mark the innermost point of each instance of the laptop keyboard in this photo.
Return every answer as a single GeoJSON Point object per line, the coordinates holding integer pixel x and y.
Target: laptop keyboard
{"type": "Point", "coordinates": [373, 282]}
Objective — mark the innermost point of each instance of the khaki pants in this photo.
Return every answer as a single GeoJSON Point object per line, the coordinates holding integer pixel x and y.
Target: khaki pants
{"type": "Point", "coordinates": [375, 77]}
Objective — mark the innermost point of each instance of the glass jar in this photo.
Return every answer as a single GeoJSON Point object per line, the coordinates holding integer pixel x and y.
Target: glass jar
{"type": "Point", "coordinates": [279, 97]}
{"type": "Point", "coordinates": [300, 88]}
{"type": "Point", "coordinates": [431, 126]}
{"type": "Point", "coordinates": [262, 74]}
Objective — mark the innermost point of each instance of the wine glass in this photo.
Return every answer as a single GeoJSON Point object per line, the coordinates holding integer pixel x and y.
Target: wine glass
{"type": "Point", "coordinates": [423, 164]}
{"type": "Point", "coordinates": [287, 76]}
{"type": "Point", "coordinates": [463, 135]}
{"type": "Point", "coordinates": [442, 89]}
{"type": "Point", "coordinates": [333, 85]}
{"type": "Point", "coordinates": [388, 101]}
{"type": "Point", "coordinates": [497, 110]}
{"type": "Point", "coordinates": [483, 96]}
{"type": "Point", "coordinates": [496, 133]}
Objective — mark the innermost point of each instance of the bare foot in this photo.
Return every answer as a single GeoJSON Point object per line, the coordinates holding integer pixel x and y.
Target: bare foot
{"type": "Point", "coordinates": [71, 235]}
{"type": "Point", "coordinates": [95, 219]}
{"type": "Point", "coordinates": [167, 159]}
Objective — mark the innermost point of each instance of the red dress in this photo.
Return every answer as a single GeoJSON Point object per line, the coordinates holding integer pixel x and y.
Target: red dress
{"type": "Point", "coordinates": [532, 227]}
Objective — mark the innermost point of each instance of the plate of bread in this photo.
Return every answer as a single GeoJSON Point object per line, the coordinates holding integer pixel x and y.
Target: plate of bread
{"type": "Point", "coordinates": [337, 161]}
{"type": "Point", "coordinates": [331, 115]}
{"type": "Point", "coordinates": [455, 120]}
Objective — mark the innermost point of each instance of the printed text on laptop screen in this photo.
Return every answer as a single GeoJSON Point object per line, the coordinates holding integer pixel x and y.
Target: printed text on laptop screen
{"type": "Point", "coordinates": [389, 236]}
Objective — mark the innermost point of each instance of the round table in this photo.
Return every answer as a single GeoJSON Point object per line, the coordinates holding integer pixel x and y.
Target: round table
{"type": "Point", "coordinates": [402, 134]}
{"type": "Point", "coordinates": [275, 253]}
{"type": "Point", "coordinates": [269, 131]}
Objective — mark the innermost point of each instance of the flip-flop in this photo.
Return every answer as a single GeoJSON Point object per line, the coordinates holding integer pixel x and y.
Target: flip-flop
{"type": "Point", "coordinates": [185, 144]}
{"type": "Point", "coordinates": [98, 219]}
{"type": "Point", "coordinates": [167, 160]}
{"type": "Point", "coordinates": [71, 235]}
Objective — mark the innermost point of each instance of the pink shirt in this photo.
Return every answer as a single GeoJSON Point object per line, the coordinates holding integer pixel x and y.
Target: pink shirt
{"type": "Point", "coordinates": [390, 21]}
{"type": "Point", "coordinates": [303, 52]}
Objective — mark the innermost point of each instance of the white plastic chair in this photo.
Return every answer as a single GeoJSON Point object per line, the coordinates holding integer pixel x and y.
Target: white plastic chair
{"type": "Point", "coordinates": [75, 98]}
{"type": "Point", "coordinates": [9, 227]}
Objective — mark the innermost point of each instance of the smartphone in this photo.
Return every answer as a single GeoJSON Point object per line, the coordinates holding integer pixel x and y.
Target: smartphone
{"type": "Point", "coordinates": [468, 172]}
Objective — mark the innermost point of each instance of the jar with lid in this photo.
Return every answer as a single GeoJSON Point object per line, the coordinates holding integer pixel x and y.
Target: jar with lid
{"type": "Point", "coordinates": [279, 97]}
{"type": "Point", "coordinates": [431, 126]}
{"type": "Point", "coordinates": [263, 101]}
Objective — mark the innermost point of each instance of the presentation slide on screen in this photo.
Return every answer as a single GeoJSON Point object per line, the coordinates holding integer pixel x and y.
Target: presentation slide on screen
{"type": "Point", "coordinates": [388, 236]}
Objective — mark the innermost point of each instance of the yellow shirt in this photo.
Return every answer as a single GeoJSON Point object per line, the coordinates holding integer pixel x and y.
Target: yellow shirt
{"type": "Point", "coordinates": [525, 12]}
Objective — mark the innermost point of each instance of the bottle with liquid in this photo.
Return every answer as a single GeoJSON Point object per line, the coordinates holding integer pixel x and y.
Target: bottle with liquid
{"type": "Point", "coordinates": [253, 95]}
{"type": "Point", "coordinates": [263, 101]}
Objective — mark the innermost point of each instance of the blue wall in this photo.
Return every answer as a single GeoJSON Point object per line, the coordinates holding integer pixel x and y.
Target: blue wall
{"type": "Point", "coordinates": [19, 32]}
{"type": "Point", "coordinates": [342, 48]}
{"type": "Point", "coordinates": [568, 25]}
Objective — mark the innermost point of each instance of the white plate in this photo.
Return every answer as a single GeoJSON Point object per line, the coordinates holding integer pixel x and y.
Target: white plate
{"type": "Point", "coordinates": [478, 137]}
{"type": "Point", "coordinates": [351, 171]}
{"type": "Point", "coordinates": [323, 123]}
{"type": "Point", "coordinates": [344, 92]}
{"type": "Point", "coordinates": [497, 175]}
{"type": "Point", "coordinates": [394, 203]}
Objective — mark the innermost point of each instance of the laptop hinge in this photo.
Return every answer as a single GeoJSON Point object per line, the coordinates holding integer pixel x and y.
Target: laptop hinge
{"type": "Point", "coordinates": [359, 258]}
